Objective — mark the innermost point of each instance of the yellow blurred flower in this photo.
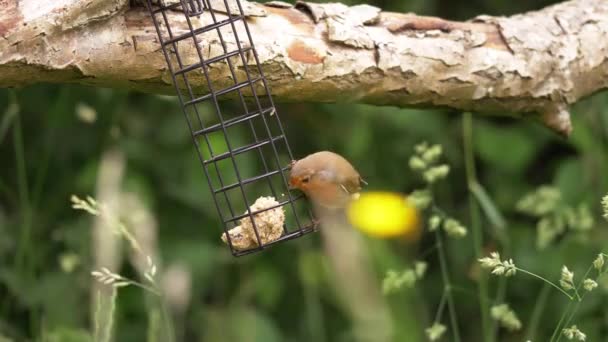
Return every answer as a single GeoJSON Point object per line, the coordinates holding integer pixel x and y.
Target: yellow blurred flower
{"type": "Point", "coordinates": [384, 215]}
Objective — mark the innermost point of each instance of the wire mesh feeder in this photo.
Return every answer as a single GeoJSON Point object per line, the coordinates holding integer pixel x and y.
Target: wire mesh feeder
{"type": "Point", "coordinates": [229, 144]}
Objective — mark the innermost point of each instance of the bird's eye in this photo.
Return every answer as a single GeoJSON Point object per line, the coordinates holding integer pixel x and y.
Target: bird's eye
{"type": "Point", "coordinates": [305, 179]}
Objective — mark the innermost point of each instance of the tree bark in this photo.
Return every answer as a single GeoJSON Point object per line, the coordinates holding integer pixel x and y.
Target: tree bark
{"type": "Point", "coordinates": [534, 64]}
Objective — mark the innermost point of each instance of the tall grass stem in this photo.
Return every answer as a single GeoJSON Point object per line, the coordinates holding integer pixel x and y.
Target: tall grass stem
{"type": "Point", "coordinates": [447, 287]}
{"type": "Point", "coordinates": [471, 174]}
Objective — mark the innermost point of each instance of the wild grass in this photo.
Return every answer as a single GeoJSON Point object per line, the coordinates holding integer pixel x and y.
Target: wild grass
{"type": "Point", "coordinates": [114, 281]}
{"type": "Point", "coordinates": [547, 282]}
{"type": "Point", "coordinates": [555, 219]}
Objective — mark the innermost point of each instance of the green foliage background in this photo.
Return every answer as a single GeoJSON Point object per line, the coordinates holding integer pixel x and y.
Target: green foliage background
{"type": "Point", "coordinates": [286, 293]}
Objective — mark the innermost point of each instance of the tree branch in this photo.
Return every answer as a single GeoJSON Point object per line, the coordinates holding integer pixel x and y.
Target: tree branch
{"type": "Point", "coordinates": [536, 63]}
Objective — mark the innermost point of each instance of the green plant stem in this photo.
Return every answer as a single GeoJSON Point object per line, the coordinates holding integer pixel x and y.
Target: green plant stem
{"type": "Point", "coordinates": [97, 318]}
{"type": "Point", "coordinates": [539, 307]}
{"type": "Point", "coordinates": [314, 314]}
{"type": "Point", "coordinates": [23, 192]}
{"type": "Point", "coordinates": [580, 284]}
{"type": "Point", "coordinates": [7, 121]}
{"type": "Point", "coordinates": [557, 328]}
{"type": "Point", "coordinates": [47, 152]}
{"type": "Point", "coordinates": [153, 322]}
{"type": "Point", "coordinates": [559, 324]}
{"type": "Point", "coordinates": [501, 294]}
{"type": "Point", "coordinates": [427, 252]}
{"type": "Point", "coordinates": [24, 245]}
{"type": "Point", "coordinates": [315, 326]}
{"type": "Point", "coordinates": [468, 292]}
{"type": "Point", "coordinates": [9, 194]}
{"type": "Point", "coordinates": [142, 286]}
{"type": "Point", "coordinates": [447, 286]}
{"type": "Point", "coordinates": [567, 323]}
{"type": "Point", "coordinates": [9, 115]}
{"type": "Point", "coordinates": [441, 306]}
{"type": "Point", "coordinates": [167, 319]}
{"type": "Point", "coordinates": [546, 281]}
{"type": "Point", "coordinates": [109, 320]}
{"type": "Point", "coordinates": [484, 307]}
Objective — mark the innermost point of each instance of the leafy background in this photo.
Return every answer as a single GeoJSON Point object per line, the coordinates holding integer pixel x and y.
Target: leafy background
{"type": "Point", "coordinates": [49, 152]}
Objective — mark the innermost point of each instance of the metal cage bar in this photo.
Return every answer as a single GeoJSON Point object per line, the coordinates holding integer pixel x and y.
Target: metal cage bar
{"type": "Point", "coordinates": [228, 180]}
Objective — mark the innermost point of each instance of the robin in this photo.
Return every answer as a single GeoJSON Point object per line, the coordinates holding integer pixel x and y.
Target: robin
{"type": "Point", "coordinates": [327, 179]}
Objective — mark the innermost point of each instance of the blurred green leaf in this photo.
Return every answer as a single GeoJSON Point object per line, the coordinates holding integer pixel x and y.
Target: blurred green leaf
{"type": "Point", "coordinates": [45, 293]}
{"type": "Point", "coordinates": [69, 335]}
{"type": "Point", "coordinates": [239, 324]}
{"type": "Point", "coordinates": [494, 142]}
{"type": "Point", "coordinates": [488, 206]}
{"type": "Point", "coordinates": [570, 178]}
{"type": "Point", "coordinates": [312, 268]}
{"type": "Point", "coordinates": [173, 131]}
{"type": "Point", "coordinates": [269, 286]}
{"type": "Point", "coordinates": [254, 327]}
{"type": "Point", "coordinates": [201, 257]}
{"type": "Point", "coordinates": [582, 136]}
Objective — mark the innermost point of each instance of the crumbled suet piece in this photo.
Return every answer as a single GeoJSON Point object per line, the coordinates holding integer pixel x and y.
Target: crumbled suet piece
{"type": "Point", "coordinates": [269, 223]}
{"type": "Point", "coordinates": [239, 240]}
